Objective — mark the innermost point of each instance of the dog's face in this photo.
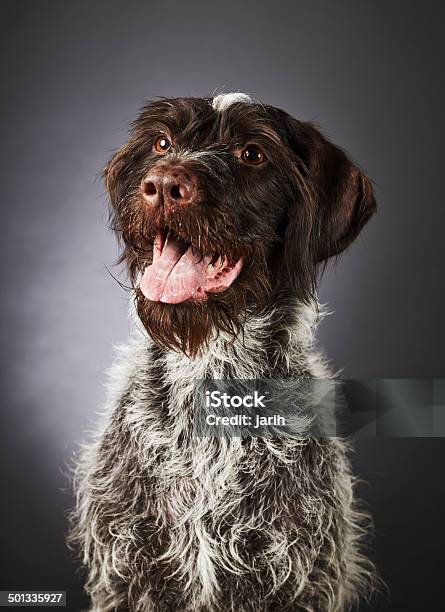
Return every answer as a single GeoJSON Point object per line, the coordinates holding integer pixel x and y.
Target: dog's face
{"type": "Point", "coordinates": [223, 205]}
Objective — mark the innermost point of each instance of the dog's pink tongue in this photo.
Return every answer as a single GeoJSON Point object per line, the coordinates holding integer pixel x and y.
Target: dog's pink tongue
{"type": "Point", "coordinates": [155, 276]}
{"type": "Point", "coordinates": [178, 274]}
{"type": "Point", "coordinates": [187, 279]}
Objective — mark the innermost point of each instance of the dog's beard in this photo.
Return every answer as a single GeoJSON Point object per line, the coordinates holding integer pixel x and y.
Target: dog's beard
{"type": "Point", "coordinates": [190, 326]}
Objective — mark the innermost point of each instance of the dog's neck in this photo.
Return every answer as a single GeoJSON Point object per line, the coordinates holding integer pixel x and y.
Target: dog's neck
{"type": "Point", "coordinates": [277, 343]}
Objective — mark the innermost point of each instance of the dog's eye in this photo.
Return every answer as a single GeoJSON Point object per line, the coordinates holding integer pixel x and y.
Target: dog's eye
{"type": "Point", "coordinates": [253, 155]}
{"type": "Point", "coordinates": [162, 144]}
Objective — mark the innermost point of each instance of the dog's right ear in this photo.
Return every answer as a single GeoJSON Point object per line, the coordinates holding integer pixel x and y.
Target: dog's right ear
{"type": "Point", "coordinates": [344, 199]}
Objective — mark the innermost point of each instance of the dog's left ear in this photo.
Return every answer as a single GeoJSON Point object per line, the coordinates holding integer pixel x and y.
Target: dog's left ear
{"type": "Point", "coordinates": [344, 199]}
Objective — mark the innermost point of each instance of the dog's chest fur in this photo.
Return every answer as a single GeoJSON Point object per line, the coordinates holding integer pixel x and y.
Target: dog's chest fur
{"type": "Point", "coordinates": [171, 521]}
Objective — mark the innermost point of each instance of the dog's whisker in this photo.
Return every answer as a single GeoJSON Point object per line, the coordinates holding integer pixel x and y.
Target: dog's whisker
{"type": "Point", "coordinates": [122, 285]}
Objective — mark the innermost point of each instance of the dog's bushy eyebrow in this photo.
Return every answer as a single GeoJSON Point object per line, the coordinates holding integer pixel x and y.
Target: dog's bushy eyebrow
{"type": "Point", "coordinates": [175, 114]}
{"type": "Point", "coordinates": [249, 121]}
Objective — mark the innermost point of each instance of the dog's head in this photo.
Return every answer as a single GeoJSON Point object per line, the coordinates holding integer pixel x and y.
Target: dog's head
{"type": "Point", "coordinates": [223, 205]}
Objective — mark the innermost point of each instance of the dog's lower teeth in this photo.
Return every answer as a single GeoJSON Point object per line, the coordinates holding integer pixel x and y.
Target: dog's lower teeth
{"type": "Point", "coordinates": [219, 263]}
{"type": "Point", "coordinates": [166, 240]}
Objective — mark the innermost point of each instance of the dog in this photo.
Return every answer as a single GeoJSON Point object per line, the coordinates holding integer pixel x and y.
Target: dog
{"type": "Point", "coordinates": [227, 211]}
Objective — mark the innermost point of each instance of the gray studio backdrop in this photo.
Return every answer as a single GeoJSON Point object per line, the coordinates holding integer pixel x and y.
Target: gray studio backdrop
{"type": "Point", "coordinates": [74, 75]}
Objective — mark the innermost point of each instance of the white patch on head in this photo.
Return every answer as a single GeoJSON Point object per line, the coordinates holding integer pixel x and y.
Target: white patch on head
{"type": "Point", "coordinates": [223, 101]}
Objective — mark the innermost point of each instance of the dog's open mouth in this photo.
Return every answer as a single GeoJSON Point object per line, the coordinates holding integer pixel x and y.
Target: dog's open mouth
{"type": "Point", "coordinates": [180, 272]}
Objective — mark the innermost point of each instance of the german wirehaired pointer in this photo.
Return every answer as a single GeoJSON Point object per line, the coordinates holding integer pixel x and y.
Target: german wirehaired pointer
{"type": "Point", "coordinates": [226, 210]}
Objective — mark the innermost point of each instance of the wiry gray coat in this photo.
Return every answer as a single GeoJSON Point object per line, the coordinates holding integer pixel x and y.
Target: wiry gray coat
{"type": "Point", "coordinates": [169, 521]}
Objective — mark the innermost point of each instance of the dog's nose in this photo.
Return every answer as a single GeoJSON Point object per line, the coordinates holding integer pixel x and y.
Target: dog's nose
{"type": "Point", "coordinates": [172, 186]}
